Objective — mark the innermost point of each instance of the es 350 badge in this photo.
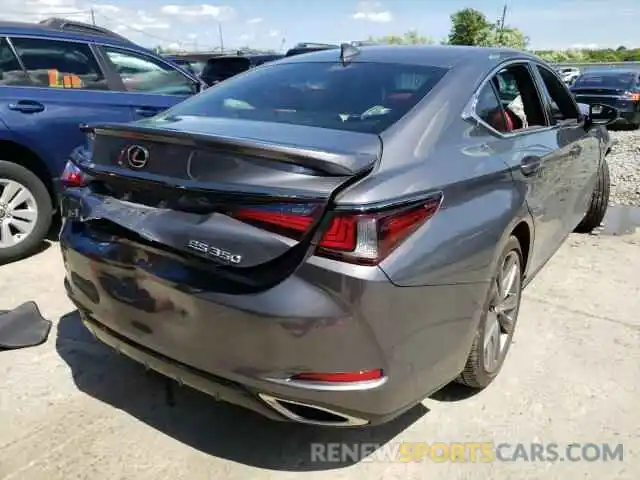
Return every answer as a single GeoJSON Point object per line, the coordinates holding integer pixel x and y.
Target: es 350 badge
{"type": "Point", "coordinates": [214, 252]}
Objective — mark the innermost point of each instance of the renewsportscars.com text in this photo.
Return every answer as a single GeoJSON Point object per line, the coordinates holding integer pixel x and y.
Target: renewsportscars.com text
{"type": "Point", "coordinates": [466, 452]}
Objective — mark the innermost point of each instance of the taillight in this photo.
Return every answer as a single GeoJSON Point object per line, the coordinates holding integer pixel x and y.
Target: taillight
{"type": "Point", "coordinates": [635, 97]}
{"type": "Point", "coordinates": [72, 176]}
{"type": "Point", "coordinates": [353, 237]}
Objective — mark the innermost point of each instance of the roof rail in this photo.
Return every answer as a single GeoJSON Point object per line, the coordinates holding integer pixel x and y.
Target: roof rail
{"type": "Point", "coordinates": [64, 24]}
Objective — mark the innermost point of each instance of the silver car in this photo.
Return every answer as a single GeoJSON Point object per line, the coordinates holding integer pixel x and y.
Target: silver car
{"type": "Point", "coordinates": [332, 237]}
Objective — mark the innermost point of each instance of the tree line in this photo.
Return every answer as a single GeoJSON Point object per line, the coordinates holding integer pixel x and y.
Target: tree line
{"type": "Point", "coordinates": [471, 27]}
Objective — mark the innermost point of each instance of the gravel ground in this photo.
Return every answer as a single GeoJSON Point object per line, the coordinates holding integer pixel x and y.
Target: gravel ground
{"type": "Point", "coordinates": [73, 409]}
{"type": "Point", "coordinates": [624, 163]}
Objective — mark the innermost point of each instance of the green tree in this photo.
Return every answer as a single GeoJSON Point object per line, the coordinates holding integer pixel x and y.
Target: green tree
{"type": "Point", "coordinates": [469, 27]}
{"type": "Point", "coordinates": [411, 37]}
{"type": "Point", "coordinates": [507, 37]}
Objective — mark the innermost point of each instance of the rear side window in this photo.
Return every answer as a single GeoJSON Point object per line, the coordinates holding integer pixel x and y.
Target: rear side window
{"type": "Point", "coordinates": [489, 110]}
{"type": "Point", "coordinates": [364, 97]}
{"type": "Point", "coordinates": [11, 72]}
{"type": "Point", "coordinates": [519, 98]}
{"type": "Point", "coordinates": [140, 73]}
{"type": "Point", "coordinates": [55, 64]}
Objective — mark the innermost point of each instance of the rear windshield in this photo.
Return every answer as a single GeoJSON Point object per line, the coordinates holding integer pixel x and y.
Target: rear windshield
{"type": "Point", "coordinates": [363, 97]}
{"type": "Point", "coordinates": [606, 80]}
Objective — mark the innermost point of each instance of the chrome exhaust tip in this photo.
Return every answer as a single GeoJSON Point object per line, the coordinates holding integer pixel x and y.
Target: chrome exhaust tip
{"type": "Point", "coordinates": [311, 414]}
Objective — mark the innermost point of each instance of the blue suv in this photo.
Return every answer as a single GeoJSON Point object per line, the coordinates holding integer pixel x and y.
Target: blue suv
{"type": "Point", "coordinates": [55, 76]}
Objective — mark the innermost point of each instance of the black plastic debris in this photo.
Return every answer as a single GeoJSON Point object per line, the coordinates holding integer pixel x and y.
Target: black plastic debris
{"type": "Point", "coordinates": [22, 327]}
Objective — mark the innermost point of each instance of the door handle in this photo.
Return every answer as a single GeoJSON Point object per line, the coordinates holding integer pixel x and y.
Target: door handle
{"type": "Point", "coordinates": [27, 106]}
{"type": "Point", "coordinates": [530, 165]}
{"type": "Point", "coordinates": [147, 111]}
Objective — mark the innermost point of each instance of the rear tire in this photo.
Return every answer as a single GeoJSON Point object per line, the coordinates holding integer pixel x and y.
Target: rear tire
{"type": "Point", "coordinates": [599, 201]}
{"type": "Point", "coordinates": [32, 216]}
{"type": "Point", "coordinates": [485, 360]}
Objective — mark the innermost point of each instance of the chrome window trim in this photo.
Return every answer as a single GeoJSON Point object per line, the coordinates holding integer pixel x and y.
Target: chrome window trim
{"type": "Point", "coordinates": [469, 111]}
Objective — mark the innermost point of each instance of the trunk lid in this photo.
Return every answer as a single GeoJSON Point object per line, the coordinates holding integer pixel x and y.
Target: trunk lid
{"type": "Point", "coordinates": [185, 197]}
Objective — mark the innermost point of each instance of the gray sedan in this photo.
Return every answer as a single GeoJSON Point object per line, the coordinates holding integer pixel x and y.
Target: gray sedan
{"type": "Point", "coordinates": [330, 238]}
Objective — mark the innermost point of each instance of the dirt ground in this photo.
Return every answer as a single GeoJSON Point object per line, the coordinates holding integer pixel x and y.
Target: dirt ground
{"type": "Point", "coordinates": [72, 408]}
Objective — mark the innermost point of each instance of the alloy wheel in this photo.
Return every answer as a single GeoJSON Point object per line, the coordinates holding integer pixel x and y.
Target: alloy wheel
{"type": "Point", "coordinates": [18, 212]}
{"type": "Point", "coordinates": [503, 311]}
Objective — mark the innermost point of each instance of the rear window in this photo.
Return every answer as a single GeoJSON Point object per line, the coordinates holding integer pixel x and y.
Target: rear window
{"type": "Point", "coordinates": [363, 97]}
{"type": "Point", "coordinates": [607, 80]}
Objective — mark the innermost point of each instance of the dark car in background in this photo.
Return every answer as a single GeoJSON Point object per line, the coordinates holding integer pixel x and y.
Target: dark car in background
{"type": "Point", "coordinates": [221, 68]}
{"type": "Point", "coordinates": [330, 239]}
{"type": "Point", "coordinates": [615, 87]}
{"type": "Point", "coordinates": [194, 63]}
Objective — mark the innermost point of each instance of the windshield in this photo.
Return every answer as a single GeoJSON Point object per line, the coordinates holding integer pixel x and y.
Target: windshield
{"type": "Point", "coordinates": [364, 97]}
{"type": "Point", "coordinates": [606, 80]}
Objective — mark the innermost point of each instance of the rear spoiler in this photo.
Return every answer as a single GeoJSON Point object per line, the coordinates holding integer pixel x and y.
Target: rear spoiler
{"type": "Point", "coordinates": [332, 163]}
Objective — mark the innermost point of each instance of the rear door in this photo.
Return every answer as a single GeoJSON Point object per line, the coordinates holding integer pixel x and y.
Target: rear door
{"type": "Point", "coordinates": [540, 166]}
{"type": "Point", "coordinates": [150, 84]}
{"type": "Point", "coordinates": [49, 89]}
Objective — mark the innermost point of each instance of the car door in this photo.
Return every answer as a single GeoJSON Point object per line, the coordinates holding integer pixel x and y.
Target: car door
{"type": "Point", "coordinates": [581, 149]}
{"type": "Point", "coordinates": [53, 87]}
{"type": "Point", "coordinates": [530, 149]}
{"type": "Point", "coordinates": [151, 84]}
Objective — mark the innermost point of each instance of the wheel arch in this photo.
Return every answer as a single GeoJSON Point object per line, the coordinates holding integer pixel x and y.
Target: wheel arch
{"type": "Point", "coordinates": [20, 155]}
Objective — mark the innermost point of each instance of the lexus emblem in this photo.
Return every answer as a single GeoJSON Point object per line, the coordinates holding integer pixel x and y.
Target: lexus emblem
{"type": "Point", "coordinates": [137, 156]}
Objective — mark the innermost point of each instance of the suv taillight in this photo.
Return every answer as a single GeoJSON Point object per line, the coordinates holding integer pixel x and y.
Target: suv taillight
{"type": "Point", "coordinates": [72, 176]}
{"type": "Point", "coordinates": [352, 236]}
{"type": "Point", "coordinates": [635, 97]}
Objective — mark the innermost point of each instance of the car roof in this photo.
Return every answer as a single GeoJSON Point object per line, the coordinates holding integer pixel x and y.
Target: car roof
{"type": "Point", "coordinates": [445, 56]}
{"type": "Point", "coordinates": [41, 30]}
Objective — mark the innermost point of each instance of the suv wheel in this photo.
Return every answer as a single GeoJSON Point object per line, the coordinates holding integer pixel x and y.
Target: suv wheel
{"type": "Point", "coordinates": [25, 212]}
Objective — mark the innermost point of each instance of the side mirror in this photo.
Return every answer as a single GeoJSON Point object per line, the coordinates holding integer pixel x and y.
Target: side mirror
{"type": "Point", "coordinates": [599, 114]}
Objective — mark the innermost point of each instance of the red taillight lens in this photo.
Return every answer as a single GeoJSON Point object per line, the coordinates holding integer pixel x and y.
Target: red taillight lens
{"type": "Point", "coordinates": [342, 377]}
{"type": "Point", "coordinates": [72, 176]}
{"type": "Point", "coordinates": [353, 237]}
{"type": "Point", "coordinates": [290, 220]}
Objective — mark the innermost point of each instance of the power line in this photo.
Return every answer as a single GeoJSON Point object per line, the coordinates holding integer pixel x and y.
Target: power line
{"type": "Point", "coordinates": [143, 32]}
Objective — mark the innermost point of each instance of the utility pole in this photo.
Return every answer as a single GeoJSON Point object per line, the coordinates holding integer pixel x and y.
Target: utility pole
{"type": "Point", "coordinates": [93, 16]}
{"type": "Point", "coordinates": [220, 35]}
{"type": "Point", "coordinates": [501, 31]}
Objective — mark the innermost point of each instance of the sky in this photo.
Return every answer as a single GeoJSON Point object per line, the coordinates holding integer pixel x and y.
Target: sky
{"type": "Point", "coordinates": [279, 24]}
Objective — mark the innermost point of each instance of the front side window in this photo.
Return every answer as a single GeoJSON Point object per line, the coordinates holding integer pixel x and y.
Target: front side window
{"type": "Point", "coordinates": [359, 96]}
{"type": "Point", "coordinates": [562, 106]}
{"type": "Point", "coordinates": [11, 72]}
{"type": "Point", "coordinates": [140, 73]}
{"type": "Point", "coordinates": [56, 64]}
